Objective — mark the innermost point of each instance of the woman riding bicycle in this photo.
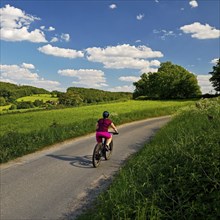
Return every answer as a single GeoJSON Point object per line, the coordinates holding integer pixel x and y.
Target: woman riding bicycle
{"type": "Point", "coordinates": [102, 129]}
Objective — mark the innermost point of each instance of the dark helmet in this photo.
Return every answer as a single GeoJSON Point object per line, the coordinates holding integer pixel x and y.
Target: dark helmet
{"type": "Point", "coordinates": [105, 114]}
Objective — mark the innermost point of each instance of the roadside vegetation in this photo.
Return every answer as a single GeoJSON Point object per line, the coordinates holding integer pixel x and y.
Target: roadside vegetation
{"type": "Point", "coordinates": [24, 133]}
{"type": "Point", "coordinates": [175, 176]}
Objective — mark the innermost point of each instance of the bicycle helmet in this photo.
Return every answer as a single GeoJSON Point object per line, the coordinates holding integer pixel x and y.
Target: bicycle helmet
{"type": "Point", "coordinates": [105, 114]}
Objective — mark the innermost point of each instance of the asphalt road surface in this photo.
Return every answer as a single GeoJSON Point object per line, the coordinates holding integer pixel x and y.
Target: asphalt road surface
{"type": "Point", "coordinates": [59, 182]}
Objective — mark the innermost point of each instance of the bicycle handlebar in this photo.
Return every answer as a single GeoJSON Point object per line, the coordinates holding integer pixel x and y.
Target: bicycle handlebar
{"type": "Point", "coordinates": [114, 133]}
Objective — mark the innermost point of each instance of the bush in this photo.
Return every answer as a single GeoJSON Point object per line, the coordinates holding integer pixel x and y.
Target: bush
{"type": "Point", "coordinates": [2, 101]}
{"type": "Point", "coordinates": [38, 103]}
{"type": "Point", "coordinates": [25, 105]}
{"type": "Point", "coordinates": [13, 107]}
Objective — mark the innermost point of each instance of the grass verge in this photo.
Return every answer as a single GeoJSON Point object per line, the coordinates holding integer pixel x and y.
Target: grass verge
{"type": "Point", "coordinates": [175, 176]}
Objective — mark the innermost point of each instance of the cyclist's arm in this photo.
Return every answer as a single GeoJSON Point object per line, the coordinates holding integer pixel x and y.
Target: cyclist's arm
{"type": "Point", "coordinates": [113, 126]}
{"type": "Point", "coordinates": [97, 126]}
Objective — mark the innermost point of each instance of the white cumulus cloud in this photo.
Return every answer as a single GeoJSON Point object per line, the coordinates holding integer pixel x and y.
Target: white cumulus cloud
{"type": "Point", "coordinates": [54, 39]}
{"type": "Point", "coordinates": [123, 56]}
{"type": "Point", "coordinates": [193, 3]}
{"type": "Point", "coordinates": [47, 29]}
{"type": "Point", "coordinates": [113, 6]}
{"type": "Point", "coordinates": [214, 61]}
{"type": "Point", "coordinates": [126, 88]}
{"type": "Point", "coordinates": [205, 84]}
{"type": "Point", "coordinates": [129, 78]}
{"type": "Point", "coordinates": [28, 65]}
{"type": "Point", "coordinates": [24, 74]}
{"type": "Point", "coordinates": [15, 26]}
{"type": "Point", "coordinates": [65, 37]}
{"type": "Point", "coordinates": [140, 16]}
{"type": "Point", "coordinates": [86, 77]}
{"type": "Point", "coordinates": [16, 72]}
{"type": "Point", "coordinates": [201, 31]}
{"type": "Point", "coordinates": [51, 29]}
{"type": "Point", "coordinates": [60, 52]}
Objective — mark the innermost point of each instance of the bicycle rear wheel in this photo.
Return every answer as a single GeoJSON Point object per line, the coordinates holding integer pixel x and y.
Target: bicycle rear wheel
{"type": "Point", "coordinates": [108, 153]}
{"type": "Point", "coordinates": [97, 155]}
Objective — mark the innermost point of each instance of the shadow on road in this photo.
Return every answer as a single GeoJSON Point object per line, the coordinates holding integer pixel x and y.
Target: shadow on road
{"type": "Point", "coordinates": [77, 161]}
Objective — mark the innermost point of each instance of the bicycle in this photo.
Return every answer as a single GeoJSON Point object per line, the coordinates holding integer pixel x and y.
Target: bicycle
{"type": "Point", "coordinates": [100, 151]}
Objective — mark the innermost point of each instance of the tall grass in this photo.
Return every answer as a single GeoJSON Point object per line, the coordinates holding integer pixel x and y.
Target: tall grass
{"type": "Point", "coordinates": [27, 132]}
{"type": "Point", "coordinates": [176, 176]}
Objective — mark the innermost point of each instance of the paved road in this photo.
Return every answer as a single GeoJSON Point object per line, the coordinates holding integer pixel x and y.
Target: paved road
{"type": "Point", "coordinates": [56, 183]}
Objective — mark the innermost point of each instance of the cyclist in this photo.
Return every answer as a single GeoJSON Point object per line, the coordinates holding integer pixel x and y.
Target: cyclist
{"type": "Point", "coordinates": [102, 129]}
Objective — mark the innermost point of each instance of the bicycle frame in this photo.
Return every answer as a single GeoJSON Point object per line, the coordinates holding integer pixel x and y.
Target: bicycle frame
{"type": "Point", "coordinates": [99, 151]}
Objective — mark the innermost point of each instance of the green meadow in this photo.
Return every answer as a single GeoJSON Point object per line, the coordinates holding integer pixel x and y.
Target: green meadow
{"type": "Point", "coordinates": [32, 98]}
{"type": "Point", "coordinates": [175, 176]}
{"type": "Point", "coordinates": [23, 133]}
{"type": "Point", "coordinates": [4, 108]}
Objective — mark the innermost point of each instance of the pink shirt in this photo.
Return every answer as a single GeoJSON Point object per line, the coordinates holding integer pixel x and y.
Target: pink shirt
{"type": "Point", "coordinates": [104, 123]}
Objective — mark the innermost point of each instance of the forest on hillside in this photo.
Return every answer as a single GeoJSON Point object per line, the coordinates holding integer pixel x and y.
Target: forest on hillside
{"type": "Point", "coordinates": [10, 92]}
{"type": "Point", "coordinates": [96, 95]}
{"type": "Point", "coordinates": [74, 96]}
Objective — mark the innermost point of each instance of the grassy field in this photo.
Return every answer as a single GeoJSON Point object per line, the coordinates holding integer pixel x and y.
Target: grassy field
{"type": "Point", "coordinates": [30, 121]}
{"type": "Point", "coordinates": [27, 132]}
{"type": "Point", "coordinates": [32, 98]}
{"type": "Point", "coordinates": [175, 176]}
{"type": "Point", "coordinates": [43, 97]}
{"type": "Point", "coordinates": [3, 108]}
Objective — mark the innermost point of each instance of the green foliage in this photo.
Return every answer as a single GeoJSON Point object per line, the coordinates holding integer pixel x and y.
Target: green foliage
{"type": "Point", "coordinates": [38, 102]}
{"type": "Point", "coordinates": [2, 101]}
{"type": "Point", "coordinates": [11, 91]}
{"type": "Point", "coordinates": [43, 101]}
{"type": "Point", "coordinates": [41, 97]}
{"type": "Point", "coordinates": [96, 95]}
{"type": "Point", "coordinates": [175, 176]}
{"type": "Point", "coordinates": [24, 133]}
{"type": "Point", "coordinates": [13, 107]}
{"type": "Point", "coordinates": [215, 79]}
{"type": "Point", "coordinates": [70, 99]}
{"type": "Point", "coordinates": [25, 105]}
{"type": "Point", "coordinates": [170, 82]}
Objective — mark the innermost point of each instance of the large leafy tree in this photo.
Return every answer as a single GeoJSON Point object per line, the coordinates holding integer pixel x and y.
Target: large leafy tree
{"type": "Point", "coordinates": [70, 99]}
{"type": "Point", "coordinates": [215, 78]}
{"type": "Point", "coordinates": [169, 82]}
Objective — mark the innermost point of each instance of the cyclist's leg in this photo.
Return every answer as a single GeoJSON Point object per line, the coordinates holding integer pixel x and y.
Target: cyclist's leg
{"type": "Point", "coordinates": [108, 141]}
{"type": "Point", "coordinates": [98, 138]}
{"type": "Point", "coordinates": [105, 135]}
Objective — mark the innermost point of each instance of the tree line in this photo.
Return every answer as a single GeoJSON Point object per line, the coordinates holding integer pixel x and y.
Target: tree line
{"type": "Point", "coordinates": [173, 82]}
{"type": "Point", "coordinates": [76, 96]}
{"type": "Point", "coordinates": [10, 92]}
{"type": "Point", "coordinates": [169, 82]}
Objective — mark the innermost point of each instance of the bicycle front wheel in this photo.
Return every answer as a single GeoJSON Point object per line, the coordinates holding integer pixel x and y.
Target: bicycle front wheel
{"type": "Point", "coordinates": [97, 155]}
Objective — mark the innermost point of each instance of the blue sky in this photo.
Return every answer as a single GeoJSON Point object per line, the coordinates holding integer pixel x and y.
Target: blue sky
{"type": "Point", "coordinates": [56, 44]}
